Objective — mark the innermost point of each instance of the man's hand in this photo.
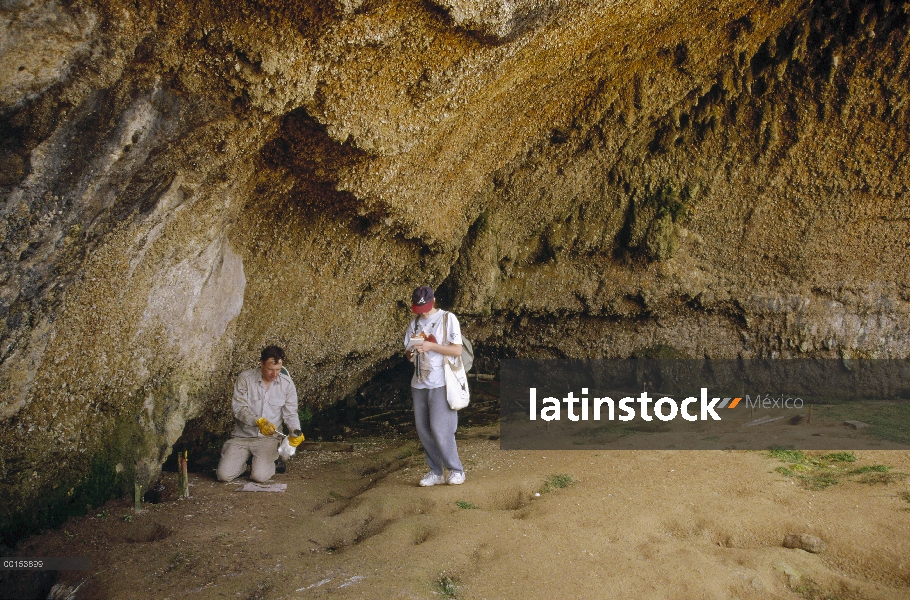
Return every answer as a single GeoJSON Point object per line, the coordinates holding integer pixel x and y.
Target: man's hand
{"type": "Point", "coordinates": [265, 426]}
{"type": "Point", "coordinates": [295, 438]}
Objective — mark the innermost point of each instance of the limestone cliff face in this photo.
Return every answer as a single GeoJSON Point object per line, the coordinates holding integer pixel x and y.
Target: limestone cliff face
{"type": "Point", "coordinates": [184, 182]}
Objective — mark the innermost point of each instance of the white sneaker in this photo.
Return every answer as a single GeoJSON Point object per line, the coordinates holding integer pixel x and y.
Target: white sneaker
{"type": "Point", "coordinates": [432, 478]}
{"type": "Point", "coordinates": [455, 478]}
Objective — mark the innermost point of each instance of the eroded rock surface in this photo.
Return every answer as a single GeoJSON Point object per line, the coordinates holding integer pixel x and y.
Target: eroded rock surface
{"type": "Point", "coordinates": [183, 183]}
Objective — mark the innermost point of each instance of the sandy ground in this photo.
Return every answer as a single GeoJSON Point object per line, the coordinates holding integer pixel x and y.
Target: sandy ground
{"type": "Point", "coordinates": [635, 524]}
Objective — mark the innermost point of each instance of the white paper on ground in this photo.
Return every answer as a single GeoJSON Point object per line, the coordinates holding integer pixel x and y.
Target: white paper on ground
{"type": "Point", "coordinates": [263, 487]}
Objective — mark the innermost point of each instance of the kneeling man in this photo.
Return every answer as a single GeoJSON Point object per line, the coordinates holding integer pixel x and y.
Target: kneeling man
{"type": "Point", "coordinates": [264, 398]}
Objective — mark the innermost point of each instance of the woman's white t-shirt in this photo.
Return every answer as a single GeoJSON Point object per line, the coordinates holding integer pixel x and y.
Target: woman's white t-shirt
{"type": "Point", "coordinates": [432, 325]}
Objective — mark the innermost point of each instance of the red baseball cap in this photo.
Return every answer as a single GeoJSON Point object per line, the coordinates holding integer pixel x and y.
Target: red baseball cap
{"type": "Point", "coordinates": [422, 300]}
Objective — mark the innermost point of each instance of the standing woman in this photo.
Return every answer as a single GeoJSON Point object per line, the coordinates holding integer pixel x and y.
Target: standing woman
{"type": "Point", "coordinates": [436, 421]}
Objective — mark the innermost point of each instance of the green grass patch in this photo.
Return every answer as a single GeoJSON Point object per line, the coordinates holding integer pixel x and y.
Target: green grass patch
{"type": "Point", "coordinates": [820, 481]}
{"type": "Point", "coordinates": [790, 456]}
{"type": "Point", "coordinates": [447, 586]}
{"type": "Point", "coordinates": [464, 504]}
{"type": "Point", "coordinates": [871, 469]}
{"type": "Point", "coordinates": [892, 423]}
{"type": "Point", "coordinates": [792, 470]}
{"type": "Point", "coordinates": [557, 482]}
{"type": "Point", "coordinates": [889, 420]}
{"type": "Point", "coordinates": [840, 457]}
{"type": "Point", "coordinates": [821, 472]}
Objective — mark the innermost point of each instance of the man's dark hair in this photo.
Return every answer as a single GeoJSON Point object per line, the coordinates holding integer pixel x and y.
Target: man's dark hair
{"type": "Point", "coordinates": [273, 352]}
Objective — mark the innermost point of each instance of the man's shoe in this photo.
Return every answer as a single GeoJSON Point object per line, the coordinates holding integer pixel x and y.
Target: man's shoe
{"type": "Point", "coordinates": [455, 478]}
{"type": "Point", "coordinates": [432, 478]}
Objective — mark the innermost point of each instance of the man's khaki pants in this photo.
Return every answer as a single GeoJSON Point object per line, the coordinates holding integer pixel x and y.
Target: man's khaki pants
{"type": "Point", "coordinates": [236, 452]}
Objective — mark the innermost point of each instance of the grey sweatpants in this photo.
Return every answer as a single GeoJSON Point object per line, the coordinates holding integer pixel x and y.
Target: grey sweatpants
{"type": "Point", "coordinates": [436, 425]}
{"type": "Point", "coordinates": [237, 450]}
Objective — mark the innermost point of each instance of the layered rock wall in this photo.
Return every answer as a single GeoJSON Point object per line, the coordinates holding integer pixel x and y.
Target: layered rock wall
{"type": "Point", "coordinates": [184, 182]}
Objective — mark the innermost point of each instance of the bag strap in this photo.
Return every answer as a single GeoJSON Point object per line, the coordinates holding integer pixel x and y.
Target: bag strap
{"type": "Point", "coordinates": [445, 339]}
{"type": "Point", "coordinates": [415, 355]}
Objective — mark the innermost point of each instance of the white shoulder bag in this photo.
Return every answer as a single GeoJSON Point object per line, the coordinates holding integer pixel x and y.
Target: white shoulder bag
{"type": "Point", "coordinates": [457, 392]}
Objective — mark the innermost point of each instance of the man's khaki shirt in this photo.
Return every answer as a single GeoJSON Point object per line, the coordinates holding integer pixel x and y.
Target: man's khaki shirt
{"type": "Point", "coordinates": [251, 401]}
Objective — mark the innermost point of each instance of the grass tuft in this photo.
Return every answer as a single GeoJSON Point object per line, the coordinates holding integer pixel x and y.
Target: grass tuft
{"type": "Point", "coordinates": [820, 482]}
{"type": "Point", "coordinates": [464, 504]}
{"type": "Point", "coordinates": [555, 482]}
{"type": "Point", "coordinates": [790, 456]}
{"type": "Point", "coordinates": [871, 469]}
{"type": "Point", "coordinates": [840, 457]}
{"type": "Point", "coordinates": [818, 473]}
{"type": "Point", "coordinates": [447, 585]}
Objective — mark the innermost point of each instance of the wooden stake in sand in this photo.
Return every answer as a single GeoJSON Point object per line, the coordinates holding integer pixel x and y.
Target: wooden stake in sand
{"type": "Point", "coordinates": [183, 482]}
{"type": "Point", "coordinates": [137, 489]}
{"type": "Point", "coordinates": [179, 475]}
{"type": "Point", "coordinates": [186, 475]}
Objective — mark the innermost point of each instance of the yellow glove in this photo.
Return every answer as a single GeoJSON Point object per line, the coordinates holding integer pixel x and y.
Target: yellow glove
{"type": "Point", "coordinates": [265, 426]}
{"type": "Point", "coordinates": [295, 438]}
